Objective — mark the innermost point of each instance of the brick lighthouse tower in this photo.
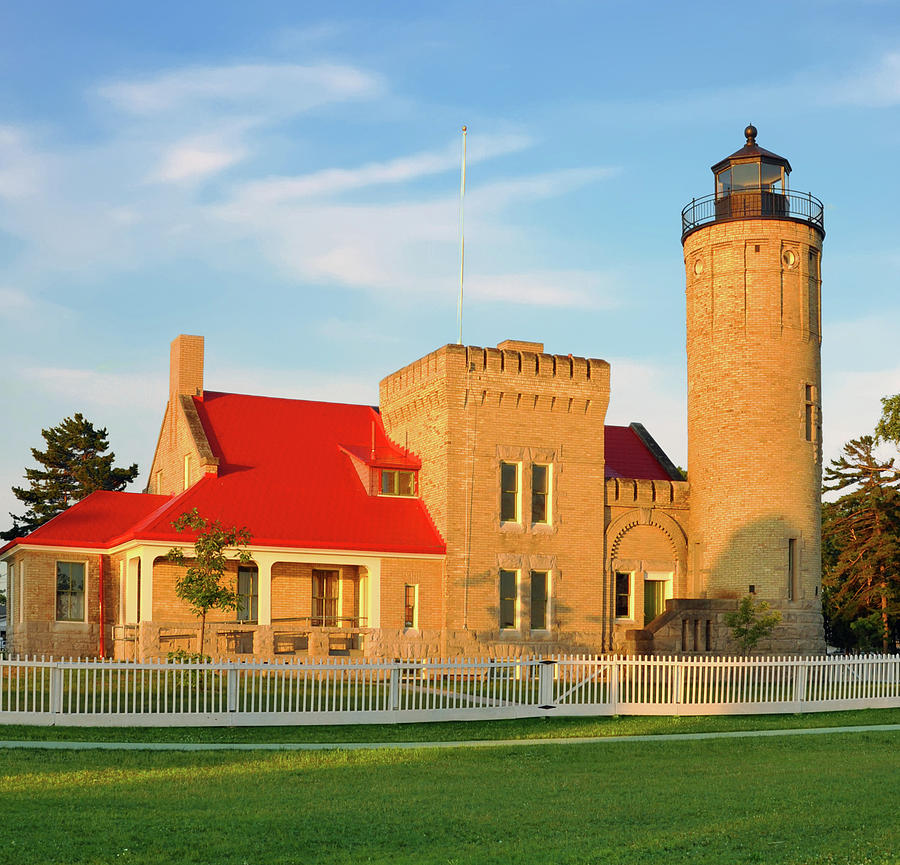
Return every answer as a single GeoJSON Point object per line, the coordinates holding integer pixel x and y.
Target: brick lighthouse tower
{"type": "Point", "coordinates": [752, 255]}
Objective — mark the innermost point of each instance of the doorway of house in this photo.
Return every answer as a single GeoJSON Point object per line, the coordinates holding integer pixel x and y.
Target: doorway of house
{"type": "Point", "coordinates": [657, 587]}
{"type": "Point", "coordinates": [325, 597]}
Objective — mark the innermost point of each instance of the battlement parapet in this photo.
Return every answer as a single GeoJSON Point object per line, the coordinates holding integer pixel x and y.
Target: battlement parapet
{"type": "Point", "coordinates": [647, 493]}
{"type": "Point", "coordinates": [506, 369]}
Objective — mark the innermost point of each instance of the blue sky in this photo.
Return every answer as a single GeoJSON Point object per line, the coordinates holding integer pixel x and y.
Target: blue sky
{"type": "Point", "coordinates": [283, 179]}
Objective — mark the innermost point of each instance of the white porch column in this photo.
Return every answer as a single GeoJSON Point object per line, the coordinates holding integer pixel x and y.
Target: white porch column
{"type": "Point", "coordinates": [373, 586]}
{"type": "Point", "coordinates": [131, 590]}
{"type": "Point", "coordinates": [147, 557]}
{"type": "Point", "coordinates": [264, 588]}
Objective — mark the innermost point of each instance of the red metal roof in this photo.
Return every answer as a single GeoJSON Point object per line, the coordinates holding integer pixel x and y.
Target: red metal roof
{"type": "Point", "coordinates": [93, 522]}
{"type": "Point", "coordinates": [628, 457]}
{"type": "Point", "coordinates": [285, 472]}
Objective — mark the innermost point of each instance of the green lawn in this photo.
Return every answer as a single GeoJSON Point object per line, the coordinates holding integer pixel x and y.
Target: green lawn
{"type": "Point", "coordinates": [822, 799]}
{"type": "Point", "coordinates": [532, 728]}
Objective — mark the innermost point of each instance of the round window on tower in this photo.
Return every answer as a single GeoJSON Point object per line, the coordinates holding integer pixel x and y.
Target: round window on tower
{"type": "Point", "coordinates": [698, 266]}
{"type": "Point", "coordinates": [789, 257]}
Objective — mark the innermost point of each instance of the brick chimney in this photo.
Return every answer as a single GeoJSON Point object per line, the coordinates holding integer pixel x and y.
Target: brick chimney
{"type": "Point", "coordinates": [521, 345]}
{"type": "Point", "coordinates": [186, 366]}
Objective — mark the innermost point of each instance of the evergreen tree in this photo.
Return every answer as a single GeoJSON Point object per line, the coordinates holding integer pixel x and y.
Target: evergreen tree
{"type": "Point", "coordinates": [73, 465]}
{"type": "Point", "coordinates": [861, 545]}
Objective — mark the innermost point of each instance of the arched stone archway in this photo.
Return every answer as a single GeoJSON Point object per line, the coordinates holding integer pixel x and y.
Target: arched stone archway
{"type": "Point", "coordinates": [646, 565]}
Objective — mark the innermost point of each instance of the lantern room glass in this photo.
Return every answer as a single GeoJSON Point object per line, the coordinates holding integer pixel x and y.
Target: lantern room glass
{"type": "Point", "coordinates": [745, 176]}
{"type": "Point", "coordinates": [772, 177]}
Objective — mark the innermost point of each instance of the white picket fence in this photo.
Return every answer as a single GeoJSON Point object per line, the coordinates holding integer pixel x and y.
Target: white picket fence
{"type": "Point", "coordinates": [124, 693]}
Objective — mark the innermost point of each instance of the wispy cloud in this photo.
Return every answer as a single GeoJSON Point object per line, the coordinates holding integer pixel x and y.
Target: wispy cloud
{"type": "Point", "coordinates": [558, 288]}
{"type": "Point", "coordinates": [877, 86]}
{"type": "Point", "coordinates": [14, 303]}
{"type": "Point", "coordinates": [31, 313]}
{"type": "Point", "coordinates": [297, 384]}
{"type": "Point", "coordinates": [22, 168]}
{"type": "Point", "coordinates": [253, 89]}
{"type": "Point", "coordinates": [412, 246]}
{"type": "Point", "coordinates": [147, 193]}
{"type": "Point", "coordinates": [332, 181]}
{"type": "Point", "coordinates": [195, 159]}
{"type": "Point", "coordinates": [137, 391]}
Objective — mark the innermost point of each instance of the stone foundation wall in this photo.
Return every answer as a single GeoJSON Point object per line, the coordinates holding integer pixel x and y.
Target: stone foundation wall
{"type": "Point", "coordinates": [692, 626]}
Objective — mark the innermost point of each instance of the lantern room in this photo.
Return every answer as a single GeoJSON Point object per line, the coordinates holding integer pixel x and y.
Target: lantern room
{"type": "Point", "coordinates": [751, 182]}
{"type": "Point", "coordinates": [752, 168]}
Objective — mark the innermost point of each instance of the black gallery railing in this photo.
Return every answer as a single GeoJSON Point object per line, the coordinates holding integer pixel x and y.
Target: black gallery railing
{"type": "Point", "coordinates": [752, 204]}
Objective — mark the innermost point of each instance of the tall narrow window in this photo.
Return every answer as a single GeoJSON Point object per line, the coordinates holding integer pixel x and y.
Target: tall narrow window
{"type": "Point", "coordinates": [248, 594]}
{"type": "Point", "coordinates": [187, 470]}
{"type": "Point", "coordinates": [810, 419]}
{"type": "Point", "coordinates": [623, 595]}
{"type": "Point", "coordinates": [508, 598]}
{"type": "Point", "coordinates": [325, 597]}
{"type": "Point", "coordinates": [410, 606]}
{"type": "Point", "coordinates": [540, 494]}
{"type": "Point", "coordinates": [509, 492]}
{"type": "Point", "coordinates": [814, 308]}
{"type": "Point", "coordinates": [70, 591]}
{"type": "Point", "coordinates": [539, 594]}
{"type": "Point", "coordinates": [12, 593]}
{"type": "Point", "coordinates": [792, 569]}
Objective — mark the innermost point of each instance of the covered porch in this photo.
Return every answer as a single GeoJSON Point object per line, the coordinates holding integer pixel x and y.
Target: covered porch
{"type": "Point", "coordinates": [291, 603]}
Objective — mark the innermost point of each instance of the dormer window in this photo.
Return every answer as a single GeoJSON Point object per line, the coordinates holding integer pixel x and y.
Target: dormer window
{"type": "Point", "coordinates": [398, 483]}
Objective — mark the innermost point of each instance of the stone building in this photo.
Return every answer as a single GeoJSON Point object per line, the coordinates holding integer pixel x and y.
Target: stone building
{"type": "Point", "coordinates": [485, 507]}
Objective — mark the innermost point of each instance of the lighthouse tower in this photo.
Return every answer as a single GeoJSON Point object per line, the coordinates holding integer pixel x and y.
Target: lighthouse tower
{"type": "Point", "coordinates": [752, 255]}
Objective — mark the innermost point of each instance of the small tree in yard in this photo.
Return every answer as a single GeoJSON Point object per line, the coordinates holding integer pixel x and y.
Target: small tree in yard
{"type": "Point", "coordinates": [201, 585]}
{"type": "Point", "coordinates": [750, 622]}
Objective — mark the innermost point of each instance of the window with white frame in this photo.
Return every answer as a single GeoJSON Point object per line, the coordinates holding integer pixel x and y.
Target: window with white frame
{"type": "Point", "coordinates": [248, 594]}
{"type": "Point", "coordinates": [70, 592]}
{"type": "Point", "coordinates": [540, 594]}
{"type": "Point", "coordinates": [510, 484]}
{"type": "Point", "coordinates": [540, 494]}
{"type": "Point", "coordinates": [509, 599]}
{"type": "Point", "coordinates": [411, 606]}
{"type": "Point", "coordinates": [623, 595]}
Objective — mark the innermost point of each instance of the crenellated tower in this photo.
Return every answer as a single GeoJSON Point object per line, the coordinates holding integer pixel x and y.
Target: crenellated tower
{"type": "Point", "coordinates": [512, 447]}
{"type": "Point", "coordinates": [752, 255]}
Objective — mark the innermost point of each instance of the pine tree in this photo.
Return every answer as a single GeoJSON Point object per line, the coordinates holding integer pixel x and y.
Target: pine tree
{"type": "Point", "coordinates": [861, 534]}
{"type": "Point", "coordinates": [74, 464]}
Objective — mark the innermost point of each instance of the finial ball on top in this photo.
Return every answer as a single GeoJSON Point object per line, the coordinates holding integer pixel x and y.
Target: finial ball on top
{"type": "Point", "coordinates": [750, 132]}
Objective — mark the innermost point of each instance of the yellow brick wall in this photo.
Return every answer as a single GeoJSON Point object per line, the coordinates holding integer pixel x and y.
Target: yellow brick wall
{"type": "Point", "coordinates": [32, 620]}
{"type": "Point", "coordinates": [396, 574]}
{"type": "Point", "coordinates": [464, 410]}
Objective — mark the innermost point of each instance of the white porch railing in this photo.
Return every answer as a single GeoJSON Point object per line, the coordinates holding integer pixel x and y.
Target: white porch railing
{"type": "Point", "coordinates": [124, 693]}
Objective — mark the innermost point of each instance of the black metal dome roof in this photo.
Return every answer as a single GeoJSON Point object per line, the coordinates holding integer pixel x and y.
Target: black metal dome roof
{"type": "Point", "coordinates": [751, 150]}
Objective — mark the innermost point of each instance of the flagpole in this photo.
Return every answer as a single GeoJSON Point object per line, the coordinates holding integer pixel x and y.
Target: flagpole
{"type": "Point", "coordinates": [462, 237]}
